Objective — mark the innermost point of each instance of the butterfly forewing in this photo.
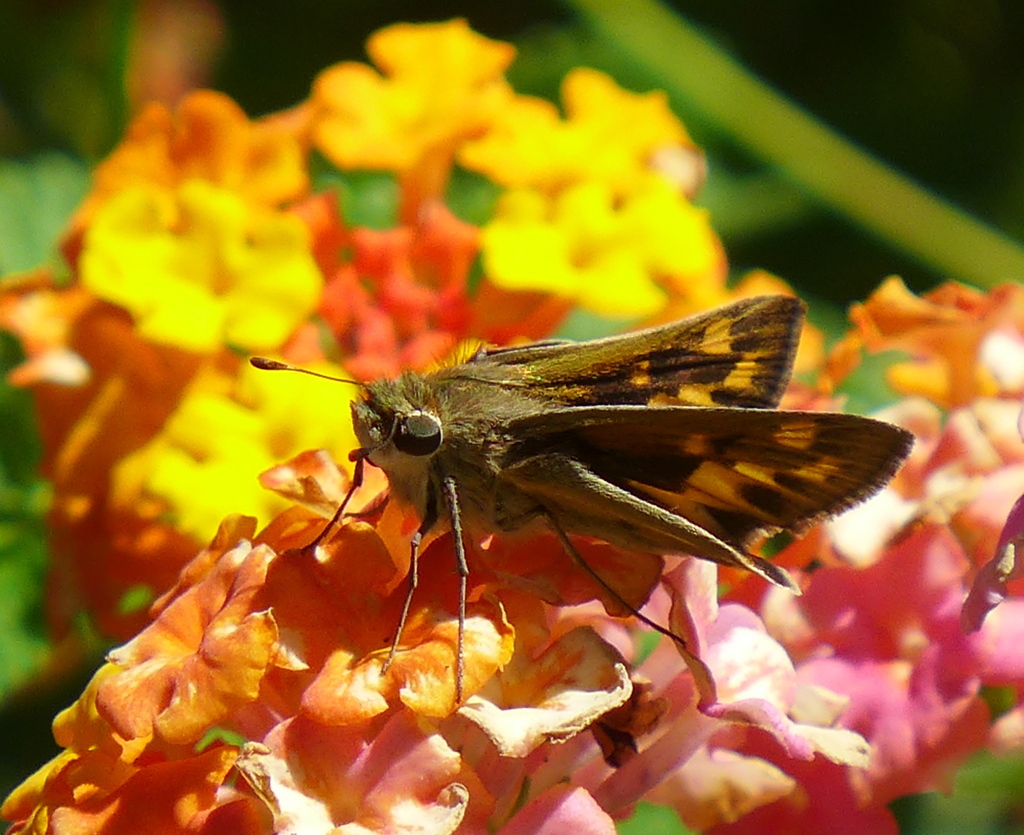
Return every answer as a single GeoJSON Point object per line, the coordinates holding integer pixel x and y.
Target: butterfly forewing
{"type": "Point", "coordinates": [738, 355]}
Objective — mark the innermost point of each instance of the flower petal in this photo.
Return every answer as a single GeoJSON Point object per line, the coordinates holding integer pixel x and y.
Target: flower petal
{"type": "Point", "coordinates": [552, 697]}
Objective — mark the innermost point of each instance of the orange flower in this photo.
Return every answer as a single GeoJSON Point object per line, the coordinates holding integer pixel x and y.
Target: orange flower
{"type": "Point", "coordinates": [400, 777]}
{"type": "Point", "coordinates": [180, 249]}
{"type": "Point", "coordinates": [203, 657]}
{"type": "Point", "coordinates": [549, 692]}
{"type": "Point", "coordinates": [960, 341]}
{"type": "Point", "coordinates": [123, 390]}
{"type": "Point", "coordinates": [185, 795]}
{"type": "Point", "coordinates": [284, 644]}
{"type": "Point", "coordinates": [150, 453]}
{"type": "Point", "coordinates": [352, 686]}
{"type": "Point", "coordinates": [91, 794]}
{"type": "Point", "coordinates": [103, 782]}
{"type": "Point", "coordinates": [402, 299]}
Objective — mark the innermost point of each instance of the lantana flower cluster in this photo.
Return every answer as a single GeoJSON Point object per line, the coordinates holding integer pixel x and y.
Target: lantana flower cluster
{"type": "Point", "coordinates": [251, 691]}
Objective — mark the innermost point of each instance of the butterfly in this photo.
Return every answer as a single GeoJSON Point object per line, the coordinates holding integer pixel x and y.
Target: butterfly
{"type": "Point", "coordinates": [664, 440]}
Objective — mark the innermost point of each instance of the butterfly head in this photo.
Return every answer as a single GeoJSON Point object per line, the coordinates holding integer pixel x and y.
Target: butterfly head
{"type": "Point", "coordinates": [388, 425]}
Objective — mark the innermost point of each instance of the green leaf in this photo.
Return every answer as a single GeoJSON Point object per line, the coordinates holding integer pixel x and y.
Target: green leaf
{"type": "Point", "coordinates": [646, 642]}
{"type": "Point", "coordinates": [23, 503]}
{"type": "Point", "coordinates": [367, 198]}
{"type": "Point", "coordinates": [22, 575]}
{"type": "Point", "coordinates": [581, 325]}
{"type": "Point", "coordinates": [649, 819]}
{"type": "Point", "coordinates": [866, 389]}
{"type": "Point", "coordinates": [135, 599]}
{"type": "Point", "coordinates": [36, 199]}
{"type": "Point", "coordinates": [985, 801]}
{"type": "Point", "coordinates": [471, 196]}
{"type": "Point", "coordinates": [20, 448]}
{"type": "Point", "coordinates": [220, 736]}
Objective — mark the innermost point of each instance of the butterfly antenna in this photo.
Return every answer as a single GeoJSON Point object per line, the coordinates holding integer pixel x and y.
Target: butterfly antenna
{"type": "Point", "coordinates": [265, 364]}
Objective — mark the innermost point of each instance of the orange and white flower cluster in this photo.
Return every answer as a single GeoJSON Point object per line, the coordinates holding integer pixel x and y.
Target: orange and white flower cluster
{"type": "Point", "coordinates": [257, 698]}
{"type": "Point", "coordinates": [251, 692]}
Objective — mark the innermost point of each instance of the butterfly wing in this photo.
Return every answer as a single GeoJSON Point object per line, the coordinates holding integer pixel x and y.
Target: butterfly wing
{"type": "Point", "coordinates": [583, 502]}
{"type": "Point", "coordinates": [704, 477]}
{"type": "Point", "coordinates": [737, 355]}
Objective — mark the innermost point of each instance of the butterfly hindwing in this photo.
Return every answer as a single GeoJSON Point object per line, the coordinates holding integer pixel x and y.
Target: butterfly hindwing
{"type": "Point", "coordinates": [580, 501]}
{"type": "Point", "coordinates": [732, 472]}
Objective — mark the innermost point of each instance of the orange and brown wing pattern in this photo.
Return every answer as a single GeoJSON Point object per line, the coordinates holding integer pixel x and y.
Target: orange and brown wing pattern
{"type": "Point", "coordinates": [731, 472]}
{"type": "Point", "coordinates": [737, 355]}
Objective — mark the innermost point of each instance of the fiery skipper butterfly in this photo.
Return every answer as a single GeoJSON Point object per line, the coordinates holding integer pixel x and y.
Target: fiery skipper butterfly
{"type": "Point", "coordinates": [665, 440]}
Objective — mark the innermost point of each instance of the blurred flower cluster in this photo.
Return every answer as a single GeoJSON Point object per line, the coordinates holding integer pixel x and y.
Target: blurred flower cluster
{"type": "Point", "coordinates": [250, 693]}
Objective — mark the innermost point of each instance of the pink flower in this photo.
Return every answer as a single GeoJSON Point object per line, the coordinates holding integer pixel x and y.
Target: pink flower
{"type": "Point", "coordinates": [888, 639]}
{"type": "Point", "coordinates": [990, 585]}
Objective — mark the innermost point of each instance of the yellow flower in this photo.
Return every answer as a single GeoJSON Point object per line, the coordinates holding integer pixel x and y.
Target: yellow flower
{"type": "Point", "coordinates": [441, 82]}
{"type": "Point", "coordinates": [614, 257]}
{"type": "Point", "coordinates": [200, 267]}
{"type": "Point", "coordinates": [204, 463]}
{"type": "Point", "coordinates": [608, 134]}
{"type": "Point", "coordinates": [207, 136]}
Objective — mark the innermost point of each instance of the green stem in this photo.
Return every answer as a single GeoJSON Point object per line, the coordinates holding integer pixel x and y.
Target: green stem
{"type": "Point", "coordinates": [824, 164]}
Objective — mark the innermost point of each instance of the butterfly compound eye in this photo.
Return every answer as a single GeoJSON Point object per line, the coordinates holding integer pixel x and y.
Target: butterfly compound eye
{"type": "Point", "coordinates": [418, 434]}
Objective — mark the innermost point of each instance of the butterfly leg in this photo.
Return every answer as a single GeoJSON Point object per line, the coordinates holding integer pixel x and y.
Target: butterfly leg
{"type": "Point", "coordinates": [357, 482]}
{"type": "Point", "coordinates": [414, 580]}
{"type": "Point", "coordinates": [597, 578]}
{"type": "Point", "coordinates": [452, 500]}
{"type": "Point", "coordinates": [452, 497]}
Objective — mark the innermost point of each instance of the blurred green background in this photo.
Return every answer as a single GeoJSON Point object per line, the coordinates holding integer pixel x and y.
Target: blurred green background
{"type": "Point", "coordinates": [846, 142]}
